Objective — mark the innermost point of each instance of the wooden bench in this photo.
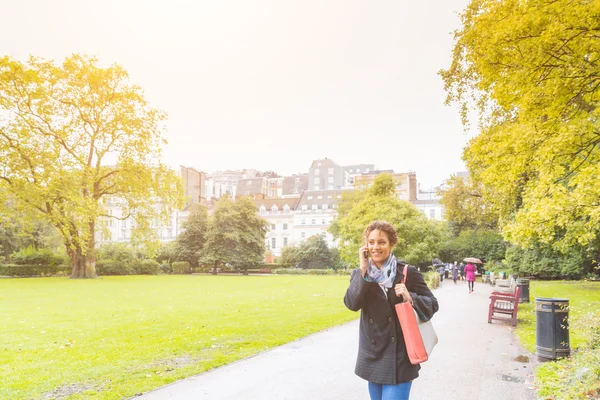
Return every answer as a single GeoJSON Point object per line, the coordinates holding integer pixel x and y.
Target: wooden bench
{"type": "Point", "coordinates": [504, 303]}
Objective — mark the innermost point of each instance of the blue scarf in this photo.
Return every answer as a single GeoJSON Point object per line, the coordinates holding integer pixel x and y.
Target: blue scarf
{"type": "Point", "coordinates": [384, 276]}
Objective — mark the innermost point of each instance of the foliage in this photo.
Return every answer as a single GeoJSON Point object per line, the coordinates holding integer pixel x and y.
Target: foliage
{"type": "Point", "coordinates": [432, 279]}
{"type": "Point", "coordinates": [74, 135]}
{"type": "Point", "coordinates": [312, 253]}
{"type": "Point", "coordinates": [120, 252]}
{"type": "Point", "coordinates": [418, 238]}
{"type": "Point", "coordinates": [111, 267]}
{"type": "Point", "coordinates": [235, 235]}
{"type": "Point", "coordinates": [191, 240]}
{"type": "Point", "coordinates": [487, 245]}
{"type": "Point", "coordinates": [168, 252]}
{"type": "Point", "coordinates": [147, 267]}
{"type": "Point", "coordinates": [33, 256]}
{"type": "Point", "coordinates": [22, 270]}
{"type": "Point", "coordinates": [18, 231]}
{"type": "Point", "coordinates": [544, 261]}
{"type": "Point", "coordinates": [181, 267]}
{"type": "Point", "coordinates": [157, 329]}
{"type": "Point", "coordinates": [576, 377]}
{"type": "Point", "coordinates": [290, 256]}
{"type": "Point", "coordinates": [464, 205]}
{"type": "Point", "coordinates": [531, 69]}
{"type": "Point", "coordinates": [300, 271]}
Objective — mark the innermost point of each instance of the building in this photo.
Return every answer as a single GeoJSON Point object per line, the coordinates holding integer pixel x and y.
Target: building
{"type": "Point", "coordinates": [351, 171]}
{"type": "Point", "coordinates": [325, 175]}
{"type": "Point", "coordinates": [224, 183]}
{"type": "Point", "coordinates": [406, 187]}
{"type": "Point", "coordinates": [194, 185]}
{"type": "Point", "coordinates": [294, 185]}
{"type": "Point", "coordinates": [428, 202]}
{"type": "Point", "coordinates": [279, 213]}
{"type": "Point", "coordinates": [314, 213]}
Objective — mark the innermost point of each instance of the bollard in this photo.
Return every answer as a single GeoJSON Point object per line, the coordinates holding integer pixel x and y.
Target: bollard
{"type": "Point", "coordinates": [552, 328]}
{"type": "Point", "coordinates": [524, 283]}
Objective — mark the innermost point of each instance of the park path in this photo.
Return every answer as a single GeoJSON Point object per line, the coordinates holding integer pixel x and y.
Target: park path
{"type": "Point", "coordinates": [473, 360]}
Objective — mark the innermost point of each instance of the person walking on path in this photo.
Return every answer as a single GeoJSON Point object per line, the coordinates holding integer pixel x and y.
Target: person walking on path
{"type": "Point", "coordinates": [470, 273]}
{"type": "Point", "coordinates": [461, 269]}
{"type": "Point", "coordinates": [454, 272]}
{"type": "Point", "coordinates": [441, 269]}
{"type": "Point", "coordinates": [375, 288]}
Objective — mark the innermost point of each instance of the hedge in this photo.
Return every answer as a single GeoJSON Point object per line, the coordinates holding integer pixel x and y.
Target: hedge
{"type": "Point", "coordinates": [33, 270]}
{"type": "Point", "coordinates": [181, 267]}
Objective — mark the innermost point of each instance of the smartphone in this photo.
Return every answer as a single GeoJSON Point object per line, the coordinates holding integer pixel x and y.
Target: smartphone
{"type": "Point", "coordinates": [366, 255]}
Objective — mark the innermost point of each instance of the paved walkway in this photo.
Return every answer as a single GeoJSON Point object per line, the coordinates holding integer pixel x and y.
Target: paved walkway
{"type": "Point", "coordinates": [473, 360]}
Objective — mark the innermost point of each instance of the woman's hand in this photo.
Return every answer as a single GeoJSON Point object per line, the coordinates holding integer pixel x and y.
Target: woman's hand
{"type": "Point", "coordinates": [364, 262]}
{"type": "Point", "coordinates": [401, 290]}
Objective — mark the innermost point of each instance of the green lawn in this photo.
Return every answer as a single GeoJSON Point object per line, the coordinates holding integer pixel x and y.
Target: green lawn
{"type": "Point", "coordinates": [113, 337]}
{"type": "Point", "coordinates": [578, 376]}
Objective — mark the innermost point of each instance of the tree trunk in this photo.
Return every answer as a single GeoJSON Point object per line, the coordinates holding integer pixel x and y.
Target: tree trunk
{"type": "Point", "coordinates": [214, 270]}
{"type": "Point", "coordinates": [84, 266]}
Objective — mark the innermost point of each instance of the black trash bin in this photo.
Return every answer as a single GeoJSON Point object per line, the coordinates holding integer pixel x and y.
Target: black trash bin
{"type": "Point", "coordinates": [524, 283]}
{"type": "Point", "coordinates": [552, 328]}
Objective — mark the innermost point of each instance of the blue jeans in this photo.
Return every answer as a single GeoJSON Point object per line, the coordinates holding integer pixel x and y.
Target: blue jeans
{"type": "Point", "coordinates": [400, 391]}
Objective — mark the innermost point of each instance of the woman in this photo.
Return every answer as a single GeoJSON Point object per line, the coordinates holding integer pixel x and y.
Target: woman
{"type": "Point", "coordinates": [375, 288]}
{"type": "Point", "coordinates": [470, 273]}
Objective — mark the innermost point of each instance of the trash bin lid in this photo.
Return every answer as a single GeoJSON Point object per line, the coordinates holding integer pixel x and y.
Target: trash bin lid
{"type": "Point", "coordinates": [551, 299]}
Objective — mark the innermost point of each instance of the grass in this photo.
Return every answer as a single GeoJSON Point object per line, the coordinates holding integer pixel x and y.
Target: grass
{"type": "Point", "coordinates": [113, 337]}
{"type": "Point", "coordinates": [577, 377]}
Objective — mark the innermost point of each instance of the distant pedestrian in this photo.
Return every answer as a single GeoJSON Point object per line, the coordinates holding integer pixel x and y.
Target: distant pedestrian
{"type": "Point", "coordinates": [375, 288]}
{"type": "Point", "coordinates": [441, 270]}
{"type": "Point", "coordinates": [470, 274]}
{"type": "Point", "coordinates": [454, 273]}
{"type": "Point", "coordinates": [461, 269]}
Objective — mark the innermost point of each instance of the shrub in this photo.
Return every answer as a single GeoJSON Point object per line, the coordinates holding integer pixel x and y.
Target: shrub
{"type": "Point", "coordinates": [28, 270]}
{"type": "Point", "coordinates": [33, 256]}
{"type": "Point", "coordinates": [181, 267]}
{"type": "Point", "coordinates": [300, 271]}
{"type": "Point", "coordinates": [146, 267]}
{"type": "Point", "coordinates": [110, 267]}
{"type": "Point", "coordinates": [432, 279]}
{"type": "Point", "coordinates": [166, 269]}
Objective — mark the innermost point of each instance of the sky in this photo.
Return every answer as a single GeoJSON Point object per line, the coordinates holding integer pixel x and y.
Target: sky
{"type": "Point", "coordinates": [271, 84]}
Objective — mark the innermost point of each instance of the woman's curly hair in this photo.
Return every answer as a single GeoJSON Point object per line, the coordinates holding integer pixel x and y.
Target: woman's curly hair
{"type": "Point", "coordinates": [383, 226]}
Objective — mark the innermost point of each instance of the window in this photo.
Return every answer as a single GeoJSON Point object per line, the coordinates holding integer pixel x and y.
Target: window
{"type": "Point", "coordinates": [124, 224]}
{"type": "Point", "coordinates": [285, 241]}
{"type": "Point", "coordinates": [303, 235]}
{"type": "Point", "coordinates": [330, 187]}
{"type": "Point", "coordinates": [286, 208]}
{"type": "Point", "coordinates": [316, 187]}
{"type": "Point", "coordinates": [319, 197]}
{"type": "Point", "coordinates": [273, 243]}
{"type": "Point", "coordinates": [284, 227]}
{"type": "Point", "coordinates": [329, 196]}
{"type": "Point", "coordinates": [310, 197]}
{"type": "Point", "coordinates": [325, 206]}
{"type": "Point", "coordinates": [304, 207]}
{"type": "Point", "coordinates": [432, 213]}
{"type": "Point", "coordinates": [350, 170]}
{"type": "Point", "coordinates": [248, 183]}
{"type": "Point", "coordinates": [316, 181]}
{"type": "Point", "coordinates": [330, 179]}
{"type": "Point", "coordinates": [330, 171]}
{"type": "Point", "coordinates": [313, 222]}
{"type": "Point", "coordinates": [314, 206]}
{"type": "Point", "coordinates": [317, 172]}
{"type": "Point", "coordinates": [302, 222]}
{"type": "Point", "coordinates": [274, 208]}
{"type": "Point", "coordinates": [273, 226]}
{"type": "Point", "coordinates": [323, 221]}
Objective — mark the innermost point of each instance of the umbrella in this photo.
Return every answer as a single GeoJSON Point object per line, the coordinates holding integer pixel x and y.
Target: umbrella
{"type": "Point", "coordinates": [473, 260]}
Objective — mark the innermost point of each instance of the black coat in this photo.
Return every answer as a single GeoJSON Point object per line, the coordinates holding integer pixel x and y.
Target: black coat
{"type": "Point", "coordinates": [382, 356]}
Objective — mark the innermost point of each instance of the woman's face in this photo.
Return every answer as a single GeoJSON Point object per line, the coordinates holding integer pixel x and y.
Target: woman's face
{"type": "Point", "coordinates": [379, 246]}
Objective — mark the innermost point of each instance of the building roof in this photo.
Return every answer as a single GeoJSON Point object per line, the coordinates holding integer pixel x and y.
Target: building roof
{"type": "Point", "coordinates": [292, 202]}
{"type": "Point", "coordinates": [329, 197]}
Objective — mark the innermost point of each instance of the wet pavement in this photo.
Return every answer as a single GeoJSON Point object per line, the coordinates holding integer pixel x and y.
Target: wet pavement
{"type": "Point", "coordinates": [473, 360]}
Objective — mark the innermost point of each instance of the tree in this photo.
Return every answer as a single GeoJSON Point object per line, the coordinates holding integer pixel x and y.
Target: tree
{"type": "Point", "coordinates": [531, 69]}
{"type": "Point", "coordinates": [73, 134]}
{"type": "Point", "coordinates": [235, 235]}
{"type": "Point", "coordinates": [464, 205]}
{"type": "Point", "coordinates": [418, 238]}
{"type": "Point", "coordinates": [191, 240]}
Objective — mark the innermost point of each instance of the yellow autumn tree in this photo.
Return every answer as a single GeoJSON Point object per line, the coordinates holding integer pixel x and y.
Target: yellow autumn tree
{"type": "Point", "coordinates": [531, 69]}
{"type": "Point", "coordinates": [74, 134]}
